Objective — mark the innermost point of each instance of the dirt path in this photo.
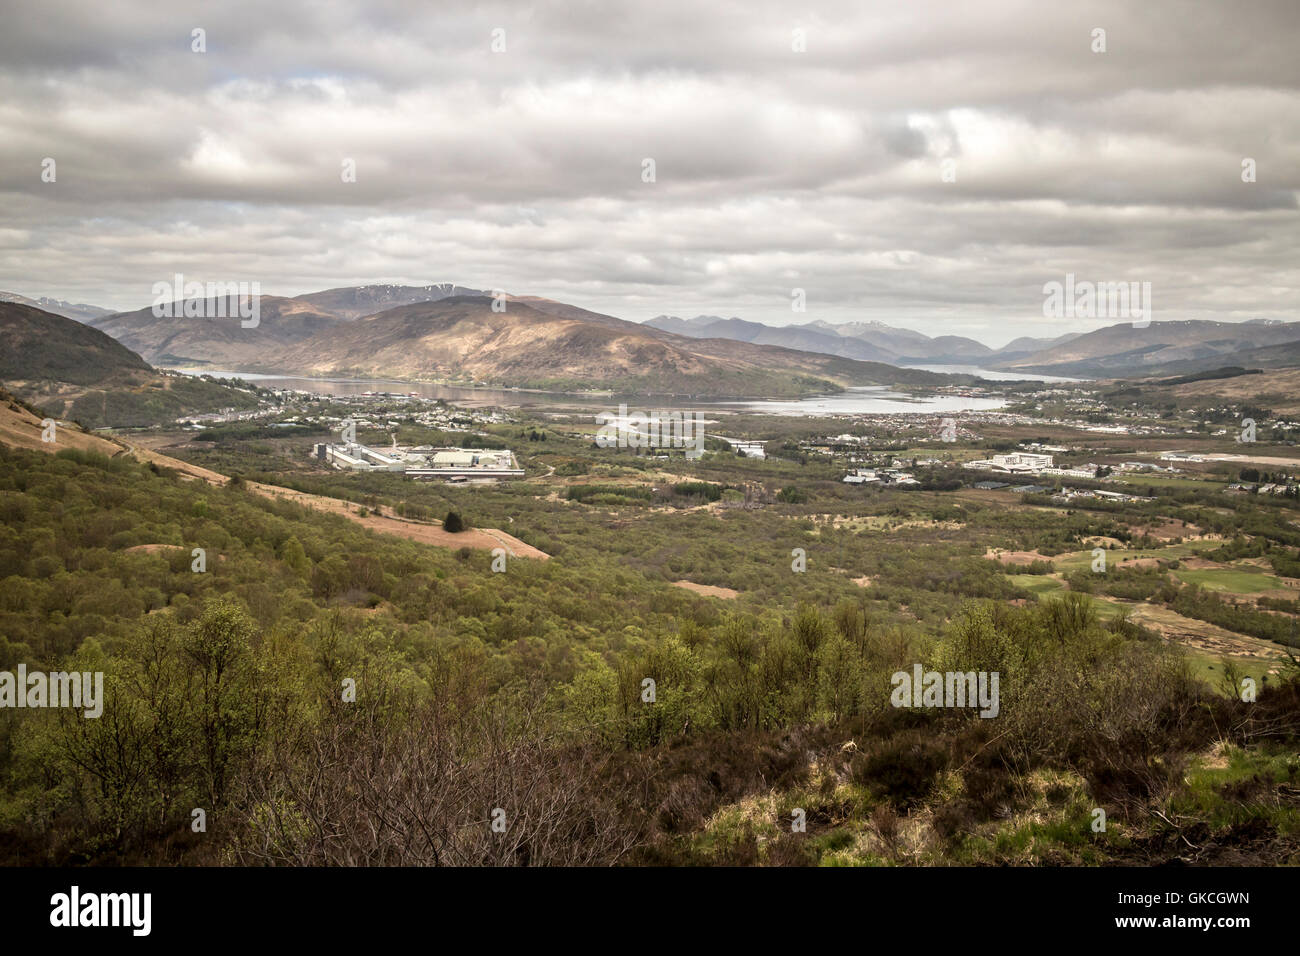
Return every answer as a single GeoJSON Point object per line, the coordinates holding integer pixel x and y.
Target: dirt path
{"type": "Point", "coordinates": [19, 428]}
{"type": "Point", "coordinates": [1202, 635]}
{"type": "Point", "coordinates": [1015, 557]}
{"type": "Point", "coordinates": [484, 539]}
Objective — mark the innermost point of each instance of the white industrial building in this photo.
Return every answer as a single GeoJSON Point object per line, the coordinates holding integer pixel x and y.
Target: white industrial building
{"type": "Point", "coordinates": [423, 462]}
{"type": "Point", "coordinates": [1017, 463]}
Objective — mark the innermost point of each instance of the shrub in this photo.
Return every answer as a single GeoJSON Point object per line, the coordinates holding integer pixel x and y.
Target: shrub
{"type": "Point", "coordinates": [902, 770]}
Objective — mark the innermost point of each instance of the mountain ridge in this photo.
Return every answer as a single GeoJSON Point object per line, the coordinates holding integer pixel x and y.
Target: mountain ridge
{"type": "Point", "coordinates": [79, 311]}
{"type": "Point", "coordinates": [746, 357]}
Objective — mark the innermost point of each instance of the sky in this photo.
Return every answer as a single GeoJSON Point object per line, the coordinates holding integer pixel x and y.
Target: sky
{"type": "Point", "coordinates": [927, 165]}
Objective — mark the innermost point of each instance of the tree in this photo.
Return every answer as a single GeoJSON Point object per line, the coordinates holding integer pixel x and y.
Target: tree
{"type": "Point", "coordinates": [453, 523]}
{"type": "Point", "coordinates": [292, 554]}
{"type": "Point", "coordinates": [219, 648]}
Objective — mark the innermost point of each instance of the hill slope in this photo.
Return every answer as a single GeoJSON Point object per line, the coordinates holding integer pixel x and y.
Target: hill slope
{"type": "Point", "coordinates": [39, 345]}
{"type": "Point", "coordinates": [543, 344]}
{"type": "Point", "coordinates": [178, 340]}
{"type": "Point", "coordinates": [1161, 348]}
{"type": "Point", "coordinates": [353, 302]}
{"type": "Point", "coordinates": [77, 372]}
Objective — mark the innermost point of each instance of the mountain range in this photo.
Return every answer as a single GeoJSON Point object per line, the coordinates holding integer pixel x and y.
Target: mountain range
{"type": "Point", "coordinates": [1117, 351]}
{"type": "Point", "coordinates": [1164, 348]}
{"type": "Point", "coordinates": [869, 341]}
{"type": "Point", "coordinates": [69, 310]}
{"type": "Point", "coordinates": [452, 333]}
{"type": "Point", "coordinates": [466, 336]}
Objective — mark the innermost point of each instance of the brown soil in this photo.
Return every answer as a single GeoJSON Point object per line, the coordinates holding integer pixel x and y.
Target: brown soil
{"type": "Point", "coordinates": [708, 590]}
{"type": "Point", "coordinates": [484, 539]}
{"type": "Point", "coordinates": [1202, 636]}
{"type": "Point", "coordinates": [1015, 557]}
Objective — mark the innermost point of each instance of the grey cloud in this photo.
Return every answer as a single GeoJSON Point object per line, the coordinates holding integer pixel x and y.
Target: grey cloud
{"type": "Point", "coordinates": [775, 169]}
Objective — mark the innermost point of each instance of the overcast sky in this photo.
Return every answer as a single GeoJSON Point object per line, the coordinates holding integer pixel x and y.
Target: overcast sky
{"type": "Point", "coordinates": [774, 169]}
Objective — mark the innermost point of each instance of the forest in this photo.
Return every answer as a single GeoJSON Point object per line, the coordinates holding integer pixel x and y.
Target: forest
{"type": "Point", "coordinates": [322, 694]}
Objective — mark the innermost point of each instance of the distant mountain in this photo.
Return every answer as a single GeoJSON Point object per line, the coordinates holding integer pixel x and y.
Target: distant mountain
{"type": "Point", "coordinates": [866, 341]}
{"type": "Point", "coordinates": [803, 338]}
{"type": "Point", "coordinates": [809, 338]}
{"type": "Point", "coordinates": [954, 349]}
{"type": "Point", "coordinates": [352, 302]}
{"type": "Point", "coordinates": [539, 343]}
{"type": "Point", "coordinates": [69, 310]}
{"type": "Point", "coordinates": [77, 372]}
{"type": "Point", "coordinates": [1027, 346]}
{"type": "Point", "coordinates": [177, 341]}
{"type": "Point", "coordinates": [1285, 355]}
{"type": "Point", "coordinates": [709, 327]}
{"type": "Point", "coordinates": [1164, 348]}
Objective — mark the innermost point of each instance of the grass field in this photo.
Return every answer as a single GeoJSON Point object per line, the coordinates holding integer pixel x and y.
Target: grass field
{"type": "Point", "coordinates": [1168, 481]}
{"type": "Point", "coordinates": [1117, 557]}
{"type": "Point", "coordinates": [1232, 580]}
{"type": "Point", "coordinates": [1209, 668]}
{"type": "Point", "coordinates": [1039, 584]}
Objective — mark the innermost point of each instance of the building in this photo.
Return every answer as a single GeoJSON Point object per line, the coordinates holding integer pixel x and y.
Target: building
{"type": "Point", "coordinates": [750, 449]}
{"type": "Point", "coordinates": [1083, 471]}
{"type": "Point", "coordinates": [1017, 463]}
{"type": "Point", "coordinates": [882, 476]}
{"type": "Point", "coordinates": [863, 476]}
{"type": "Point", "coordinates": [487, 464]}
{"type": "Point", "coordinates": [354, 457]}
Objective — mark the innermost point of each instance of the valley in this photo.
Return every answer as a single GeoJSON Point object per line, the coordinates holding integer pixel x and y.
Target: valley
{"type": "Point", "coordinates": [1097, 544]}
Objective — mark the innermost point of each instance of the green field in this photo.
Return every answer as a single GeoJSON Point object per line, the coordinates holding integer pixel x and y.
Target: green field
{"type": "Point", "coordinates": [1209, 668]}
{"type": "Point", "coordinates": [1117, 557]}
{"type": "Point", "coordinates": [1234, 580]}
{"type": "Point", "coordinates": [1040, 584]}
{"type": "Point", "coordinates": [1167, 481]}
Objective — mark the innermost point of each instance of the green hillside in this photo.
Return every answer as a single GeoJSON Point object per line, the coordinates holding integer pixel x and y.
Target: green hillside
{"type": "Point", "coordinates": [76, 372]}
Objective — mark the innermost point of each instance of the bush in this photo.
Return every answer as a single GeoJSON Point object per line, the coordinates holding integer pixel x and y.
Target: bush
{"type": "Point", "coordinates": [453, 522]}
{"type": "Point", "coordinates": [902, 770]}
